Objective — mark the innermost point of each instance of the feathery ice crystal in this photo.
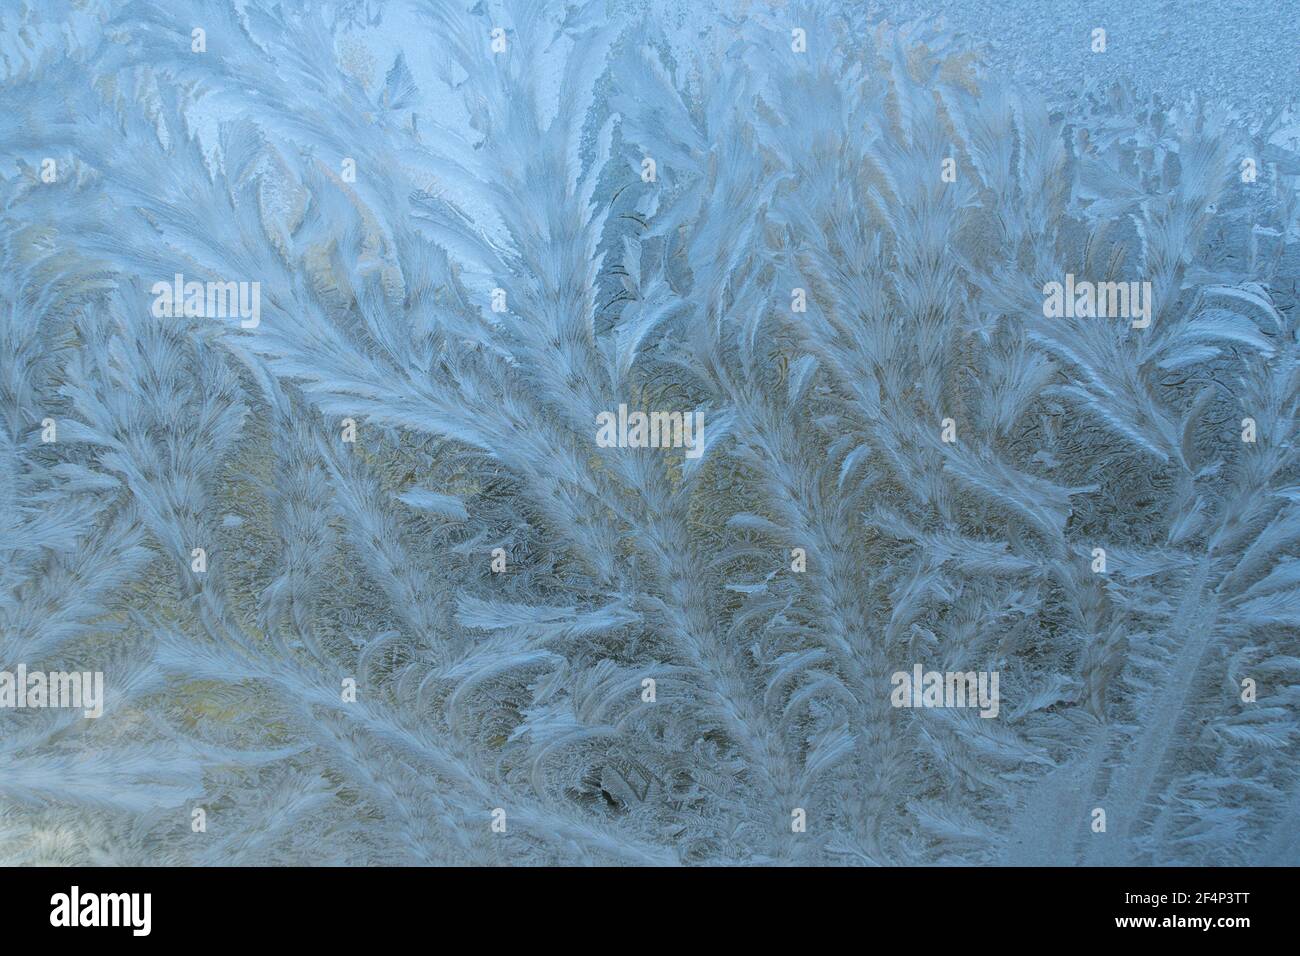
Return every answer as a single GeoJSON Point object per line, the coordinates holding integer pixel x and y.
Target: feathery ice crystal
{"type": "Point", "coordinates": [355, 366]}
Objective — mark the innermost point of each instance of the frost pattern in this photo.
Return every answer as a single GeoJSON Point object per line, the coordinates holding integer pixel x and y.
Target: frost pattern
{"type": "Point", "coordinates": [521, 170]}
